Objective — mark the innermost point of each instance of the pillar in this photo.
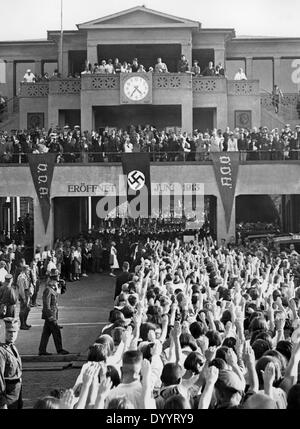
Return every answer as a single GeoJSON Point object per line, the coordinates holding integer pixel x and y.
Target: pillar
{"type": "Point", "coordinates": [276, 63]}
{"type": "Point", "coordinates": [187, 115]}
{"type": "Point", "coordinates": [10, 70]}
{"type": "Point", "coordinates": [186, 49]}
{"type": "Point", "coordinates": [87, 117]}
{"type": "Point", "coordinates": [38, 68]}
{"type": "Point", "coordinates": [220, 57]}
{"type": "Point", "coordinates": [221, 223]}
{"type": "Point", "coordinates": [249, 68]}
{"type": "Point", "coordinates": [92, 54]}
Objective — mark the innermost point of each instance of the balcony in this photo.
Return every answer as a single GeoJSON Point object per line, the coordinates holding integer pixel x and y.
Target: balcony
{"type": "Point", "coordinates": [161, 82]}
{"type": "Point", "coordinates": [243, 87]}
{"type": "Point", "coordinates": [34, 90]}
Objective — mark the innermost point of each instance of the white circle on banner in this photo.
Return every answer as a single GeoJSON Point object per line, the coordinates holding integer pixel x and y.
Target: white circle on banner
{"type": "Point", "coordinates": [136, 180]}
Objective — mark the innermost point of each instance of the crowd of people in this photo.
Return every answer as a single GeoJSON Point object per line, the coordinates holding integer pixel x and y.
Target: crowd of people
{"type": "Point", "coordinates": [196, 326]}
{"type": "Point", "coordinates": [106, 144]}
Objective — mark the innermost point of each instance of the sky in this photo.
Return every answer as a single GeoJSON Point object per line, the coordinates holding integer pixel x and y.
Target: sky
{"type": "Point", "coordinates": [22, 20]}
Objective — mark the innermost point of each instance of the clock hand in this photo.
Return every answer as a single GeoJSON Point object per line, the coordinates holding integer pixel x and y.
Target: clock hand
{"type": "Point", "coordinates": [133, 91]}
{"type": "Point", "coordinates": [137, 88]}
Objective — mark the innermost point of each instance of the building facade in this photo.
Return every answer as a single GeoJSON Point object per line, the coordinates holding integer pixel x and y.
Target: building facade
{"type": "Point", "coordinates": [176, 100]}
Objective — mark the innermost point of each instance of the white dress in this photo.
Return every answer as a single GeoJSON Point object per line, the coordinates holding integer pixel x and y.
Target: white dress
{"type": "Point", "coordinates": [113, 253]}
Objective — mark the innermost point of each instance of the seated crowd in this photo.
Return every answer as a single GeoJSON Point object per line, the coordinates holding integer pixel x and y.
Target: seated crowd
{"type": "Point", "coordinates": [196, 326]}
{"type": "Point", "coordinates": [106, 144]}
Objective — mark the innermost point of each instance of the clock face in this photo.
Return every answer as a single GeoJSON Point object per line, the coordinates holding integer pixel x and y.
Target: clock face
{"type": "Point", "coordinates": [136, 88]}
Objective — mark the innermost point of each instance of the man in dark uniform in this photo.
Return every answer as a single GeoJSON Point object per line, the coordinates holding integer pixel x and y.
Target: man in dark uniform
{"type": "Point", "coordinates": [10, 367]}
{"type": "Point", "coordinates": [8, 296]}
{"type": "Point", "coordinates": [50, 314]}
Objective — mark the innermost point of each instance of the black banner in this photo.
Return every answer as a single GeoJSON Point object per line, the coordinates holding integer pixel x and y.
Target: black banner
{"type": "Point", "coordinates": [41, 167]}
{"type": "Point", "coordinates": [226, 165]}
{"type": "Point", "coordinates": [136, 166]}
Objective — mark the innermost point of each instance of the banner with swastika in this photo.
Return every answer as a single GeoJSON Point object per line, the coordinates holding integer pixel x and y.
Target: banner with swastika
{"type": "Point", "coordinates": [136, 167]}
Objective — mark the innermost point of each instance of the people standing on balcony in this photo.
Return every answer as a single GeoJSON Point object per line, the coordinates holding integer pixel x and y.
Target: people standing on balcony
{"type": "Point", "coordinates": [215, 143]}
{"type": "Point", "coordinates": [183, 65]}
{"type": "Point", "coordinates": [232, 143]}
{"type": "Point", "coordinates": [135, 65]}
{"type": "Point", "coordinates": [209, 70]}
{"type": "Point", "coordinates": [277, 97]}
{"type": "Point", "coordinates": [141, 69]}
{"type": "Point", "coordinates": [96, 68]}
{"type": "Point", "coordinates": [102, 67]}
{"type": "Point", "coordinates": [117, 66]}
{"type": "Point", "coordinates": [240, 75]}
{"type": "Point", "coordinates": [200, 148]}
{"type": "Point", "coordinates": [161, 67]}
{"type": "Point", "coordinates": [29, 77]}
{"type": "Point", "coordinates": [109, 68]}
{"type": "Point", "coordinates": [220, 71]}
{"type": "Point", "coordinates": [196, 70]}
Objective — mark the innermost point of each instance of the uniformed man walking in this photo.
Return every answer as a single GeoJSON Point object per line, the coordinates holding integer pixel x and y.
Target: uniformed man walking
{"type": "Point", "coordinates": [10, 367]}
{"type": "Point", "coordinates": [50, 315]}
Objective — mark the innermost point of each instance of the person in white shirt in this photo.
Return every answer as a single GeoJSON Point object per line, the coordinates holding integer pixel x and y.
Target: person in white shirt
{"type": "Point", "coordinates": [109, 68]}
{"type": "Point", "coordinates": [130, 386]}
{"type": "Point", "coordinates": [161, 67]}
{"type": "Point", "coordinates": [240, 75]}
{"type": "Point", "coordinates": [29, 77]}
{"type": "Point", "coordinates": [3, 272]}
{"type": "Point", "coordinates": [232, 144]}
{"type": "Point", "coordinates": [128, 146]}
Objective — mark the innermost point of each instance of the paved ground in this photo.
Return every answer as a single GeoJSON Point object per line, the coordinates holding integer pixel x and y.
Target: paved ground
{"type": "Point", "coordinates": [83, 311]}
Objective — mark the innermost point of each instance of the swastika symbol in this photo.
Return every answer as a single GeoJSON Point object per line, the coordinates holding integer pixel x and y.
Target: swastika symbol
{"type": "Point", "coordinates": [136, 180]}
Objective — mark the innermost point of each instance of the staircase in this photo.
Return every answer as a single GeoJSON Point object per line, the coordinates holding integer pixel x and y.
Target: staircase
{"type": "Point", "coordinates": [10, 118]}
{"type": "Point", "coordinates": [287, 113]}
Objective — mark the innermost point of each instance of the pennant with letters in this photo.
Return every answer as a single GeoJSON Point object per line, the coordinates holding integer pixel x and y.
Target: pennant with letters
{"type": "Point", "coordinates": [42, 167]}
{"type": "Point", "coordinates": [226, 166]}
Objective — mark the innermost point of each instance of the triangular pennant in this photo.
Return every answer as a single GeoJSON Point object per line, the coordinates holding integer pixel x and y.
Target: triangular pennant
{"type": "Point", "coordinates": [226, 166]}
{"type": "Point", "coordinates": [42, 167]}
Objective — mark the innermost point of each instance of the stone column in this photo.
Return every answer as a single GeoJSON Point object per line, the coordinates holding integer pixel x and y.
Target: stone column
{"type": "Point", "coordinates": [220, 57]}
{"type": "Point", "coordinates": [38, 68]}
{"type": "Point", "coordinates": [277, 63]}
{"type": "Point", "coordinates": [187, 114]}
{"type": "Point", "coordinates": [10, 82]}
{"type": "Point", "coordinates": [249, 68]}
{"type": "Point", "coordinates": [186, 49]}
{"type": "Point", "coordinates": [92, 53]}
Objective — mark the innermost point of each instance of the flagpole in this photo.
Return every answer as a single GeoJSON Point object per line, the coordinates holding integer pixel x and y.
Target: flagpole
{"type": "Point", "coordinates": [61, 37]}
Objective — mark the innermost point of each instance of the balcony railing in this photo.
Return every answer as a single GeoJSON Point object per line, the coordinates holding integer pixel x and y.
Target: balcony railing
{"type": "Point", "coordinates": [243, 87]}
{"type": "Point", "coordinates": [65, 86]}
{"type": "Point", "coordinates": [84, 157]}
{"type": "Point", "coordinates": [38, 89]}
{"type": "Point", "coordinates": [161, 81]}
{"type": "Point", "coordinates": [94, 82]}
{"type": "Point", "coordinates": [209, 85]}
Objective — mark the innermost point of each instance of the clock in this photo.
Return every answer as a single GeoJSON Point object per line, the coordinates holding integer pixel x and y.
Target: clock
{"type": "Point", "coordinates": [136, 88]}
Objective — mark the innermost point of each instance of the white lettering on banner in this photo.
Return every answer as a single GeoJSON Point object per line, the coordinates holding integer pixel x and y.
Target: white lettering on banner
{"type": "Point", "coordinates": [44, 191]}
{"type": "Point", "coordinates": [226, 171]}
{"type": "Point", "coordinates": [42, 179]}
{"type": "Point", "coordinates": [42, 167]}
{"type": "Point", "coordinates": [296, 73]}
